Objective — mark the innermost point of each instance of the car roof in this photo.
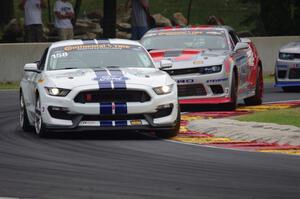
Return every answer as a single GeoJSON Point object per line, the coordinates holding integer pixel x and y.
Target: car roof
{"type": "Point", "coordinates": [94, 41]}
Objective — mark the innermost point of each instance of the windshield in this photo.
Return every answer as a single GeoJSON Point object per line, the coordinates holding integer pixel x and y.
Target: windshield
{"type": "Point", "coordinates": [183, 40]}
{"type": "Point", "coordinates": [98, 56]}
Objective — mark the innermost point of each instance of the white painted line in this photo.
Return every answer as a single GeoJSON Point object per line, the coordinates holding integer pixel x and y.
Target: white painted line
{"type": "Point", "coordinates": [221, 148]}
{"type": "Point", "coordinates": [281, 101]}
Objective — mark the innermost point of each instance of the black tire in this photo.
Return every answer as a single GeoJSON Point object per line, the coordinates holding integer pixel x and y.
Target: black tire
{"type": "Point", "coordinates": [257, 98]}
{"type": "Point", "coordinates": [231, 106]}
{"type": "Point", "coordinates": [291, 89]}
{"type": "Point", "coordinates": [23, 117]}
{"type": "Point", "coordinates": [39, 125]}
{"type": "Point", "coordinates": [165, 134]}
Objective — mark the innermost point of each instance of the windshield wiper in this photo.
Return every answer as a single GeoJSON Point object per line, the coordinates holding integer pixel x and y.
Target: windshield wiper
{"type": "Point", "coordinates": [112, 66]}
{"type": "Point", "coordinates": [150, 49]}
{"type": "Point", "coordinates": [66, 68]}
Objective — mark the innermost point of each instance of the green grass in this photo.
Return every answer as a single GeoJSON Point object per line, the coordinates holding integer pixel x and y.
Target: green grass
{"type": "Point", "coordinates": [8, 85]}
{"type": "Point", "coordinates": [269, 78]}
{"type": "Point", "coordinates": [284, 116]}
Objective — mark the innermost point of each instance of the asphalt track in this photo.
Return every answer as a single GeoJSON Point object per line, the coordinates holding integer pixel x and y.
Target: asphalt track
{"type": "Point", "coordinates": [129, 165]}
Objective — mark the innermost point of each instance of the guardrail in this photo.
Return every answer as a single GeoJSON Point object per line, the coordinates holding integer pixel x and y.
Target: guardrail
{"type": "Point", "coordinates": [14, 56]}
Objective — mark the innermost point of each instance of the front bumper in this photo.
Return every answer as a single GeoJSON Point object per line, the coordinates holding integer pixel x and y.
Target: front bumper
{"type": "Point", "coordinates": [159, 113]}
{"type": "Point", "coordinates": [212, 88]}
{"type": "Point", "coordinates": [287, 73]}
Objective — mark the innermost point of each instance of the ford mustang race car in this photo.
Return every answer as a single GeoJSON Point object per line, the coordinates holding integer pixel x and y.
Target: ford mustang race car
{"type": "Point", "coordinates": [98, 85]}
{"type": "Point", "coordinates": [287, 70]}
{"type": "Point", "coordinates": [211, 64]}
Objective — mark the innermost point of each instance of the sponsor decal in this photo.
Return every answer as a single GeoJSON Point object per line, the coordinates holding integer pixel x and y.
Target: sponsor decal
{"type": "Point", "coordinates": [58, 55]}
{"type": "Point", "coordinates": [198, 62]}
{"type": "Point", "coordinates": [185, 81]}
{"type": "Point", "coordinates": [136, 122]}
{"type": "Point", "coordinates": [188, 32]}
{"type": "Point", "coordinates": [217, 80]}
{"type": "Point", "coordinates": [97, 47]}
{"type": "Point", "coordinates": [241, 60]}
{"type": "Point", "coordinates": [109, 78]}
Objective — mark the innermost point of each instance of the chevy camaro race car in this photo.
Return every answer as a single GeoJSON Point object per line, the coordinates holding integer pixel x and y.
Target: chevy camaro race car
{"type": "Point", "coordinates": [287, 70]}
{"type": "Point", "coordinates": [98, 85]}
{"type": "Point", "coordinates": [211, 64]}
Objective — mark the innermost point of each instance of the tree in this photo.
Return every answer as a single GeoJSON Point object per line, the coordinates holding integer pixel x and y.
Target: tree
{"type": "Point", "coordinates": [6, 11]}
{"type": "Point", "coordinates": [109, 18]}
{"type": "Point", "coordinates": [275, 17]}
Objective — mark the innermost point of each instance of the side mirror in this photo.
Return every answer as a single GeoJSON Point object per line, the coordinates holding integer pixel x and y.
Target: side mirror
{"type": "Point", "coordinates": [32, 67]}
{"type": "Point", "coordinates": [245, 40]}
{"type": "Point", "coordinates": [241, 46]}
{"type": "Point", "coordinates": [164, 64]}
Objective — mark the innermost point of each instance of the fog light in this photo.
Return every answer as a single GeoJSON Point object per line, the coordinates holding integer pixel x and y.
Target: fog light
{"type": "Point", "coordinates": [165, 106]}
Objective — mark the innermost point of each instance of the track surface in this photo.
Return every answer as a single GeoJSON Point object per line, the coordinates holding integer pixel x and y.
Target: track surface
{"type": "Point", "coordinates": [114, 165]}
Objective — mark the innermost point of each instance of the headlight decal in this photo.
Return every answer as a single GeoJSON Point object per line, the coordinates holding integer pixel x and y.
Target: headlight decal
{"type": "Point", "coordinates": [210, 69]}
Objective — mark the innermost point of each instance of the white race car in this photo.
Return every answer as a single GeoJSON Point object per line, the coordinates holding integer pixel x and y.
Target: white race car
{"type": "Point", "coordinates": [287, 70]}
{"type": "Point", "coordinates": [98, 85]}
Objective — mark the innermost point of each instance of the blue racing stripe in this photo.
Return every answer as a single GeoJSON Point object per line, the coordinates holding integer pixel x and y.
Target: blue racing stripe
{"type": "Point", "coordinates": [106, 123]}
{"type": "Point", "coordinates": [121, 108]}
{"type": "Point", "coordinates": [88, 41]}
{"type": "Point", "coordinates": [106, 109]}
{"type": "Point", "coordinates": [103, 79]}
{"type": "Point", "coordinates": [119, 83]}
{"type": "Point", "coordinates": [121, 123]}
{"type": "Point", "coordinates": [103, 41]}
{"type": "Point", "coordinates": [119, 79]}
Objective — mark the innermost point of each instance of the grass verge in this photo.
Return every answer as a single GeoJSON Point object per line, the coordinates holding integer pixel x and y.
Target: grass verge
{"type": "Point", "coordinates": [9, 85]}
{"type": "Point", "coordinates": [269, 78]}
{"type": "Point", "coordinates": [284, 117]}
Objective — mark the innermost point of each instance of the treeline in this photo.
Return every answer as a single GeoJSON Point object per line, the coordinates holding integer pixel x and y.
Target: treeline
{"type": "Point", "coordinates": [275, 17]}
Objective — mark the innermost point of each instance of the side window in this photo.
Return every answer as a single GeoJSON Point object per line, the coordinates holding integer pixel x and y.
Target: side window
{"type": "Point", "coordinates": [42, 61]}
{"type": "Point", "coordinates": [234, 37]}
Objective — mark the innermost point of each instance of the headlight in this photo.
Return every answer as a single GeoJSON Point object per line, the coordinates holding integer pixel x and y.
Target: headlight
{"type": "Point", "coordinates": [60, 92]}
{"type": "Point", "coordinates": [286, 56]}
{"type": "Point", "coordinates": [210, 69]}
{"type": "Point", "coordinates": [162, 90]}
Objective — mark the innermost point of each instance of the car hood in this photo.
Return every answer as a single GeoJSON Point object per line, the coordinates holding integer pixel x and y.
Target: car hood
{"type": "Point", "coordinates": [183, 58]}
{"type": "Point", "coordinates": [82, 77]}
{"type": "Point", "coordinates": [293, 47]}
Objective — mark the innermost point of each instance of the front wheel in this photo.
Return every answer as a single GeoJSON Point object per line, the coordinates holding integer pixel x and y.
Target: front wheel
{"type": "Point", "coordinates": [291, 89]}
{"type": "Point", "coordinates": [23, 117]}
{"type": "Point", "coordinates": [257, 98]}
{"type": "Point", "coordinates": [231, 106]}
{"type": "Point", "coordinates": [39, 126]}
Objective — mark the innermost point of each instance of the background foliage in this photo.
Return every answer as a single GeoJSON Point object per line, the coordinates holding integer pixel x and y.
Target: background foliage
{"type": "Point", "coordinates": [260, 17]}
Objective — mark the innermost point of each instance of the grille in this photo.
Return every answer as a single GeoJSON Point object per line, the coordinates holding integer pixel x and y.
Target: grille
{"type": "Point", "coordinates": [217, 89]}
{"type": "Point", "coordinates": [112, 117]}
{"type": "Point", "coordinates": [297, 56]}
{"type": "Point", "coordinates": [281, 74]}
{"type": "Point", "coordinates": [191, 90]}
{"type": "Point", "coordinates": [115, 95]}
{"type": "Point", "coordinates": [183, 71]}
{"type": "Point", "coordinates": [294, 73]}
